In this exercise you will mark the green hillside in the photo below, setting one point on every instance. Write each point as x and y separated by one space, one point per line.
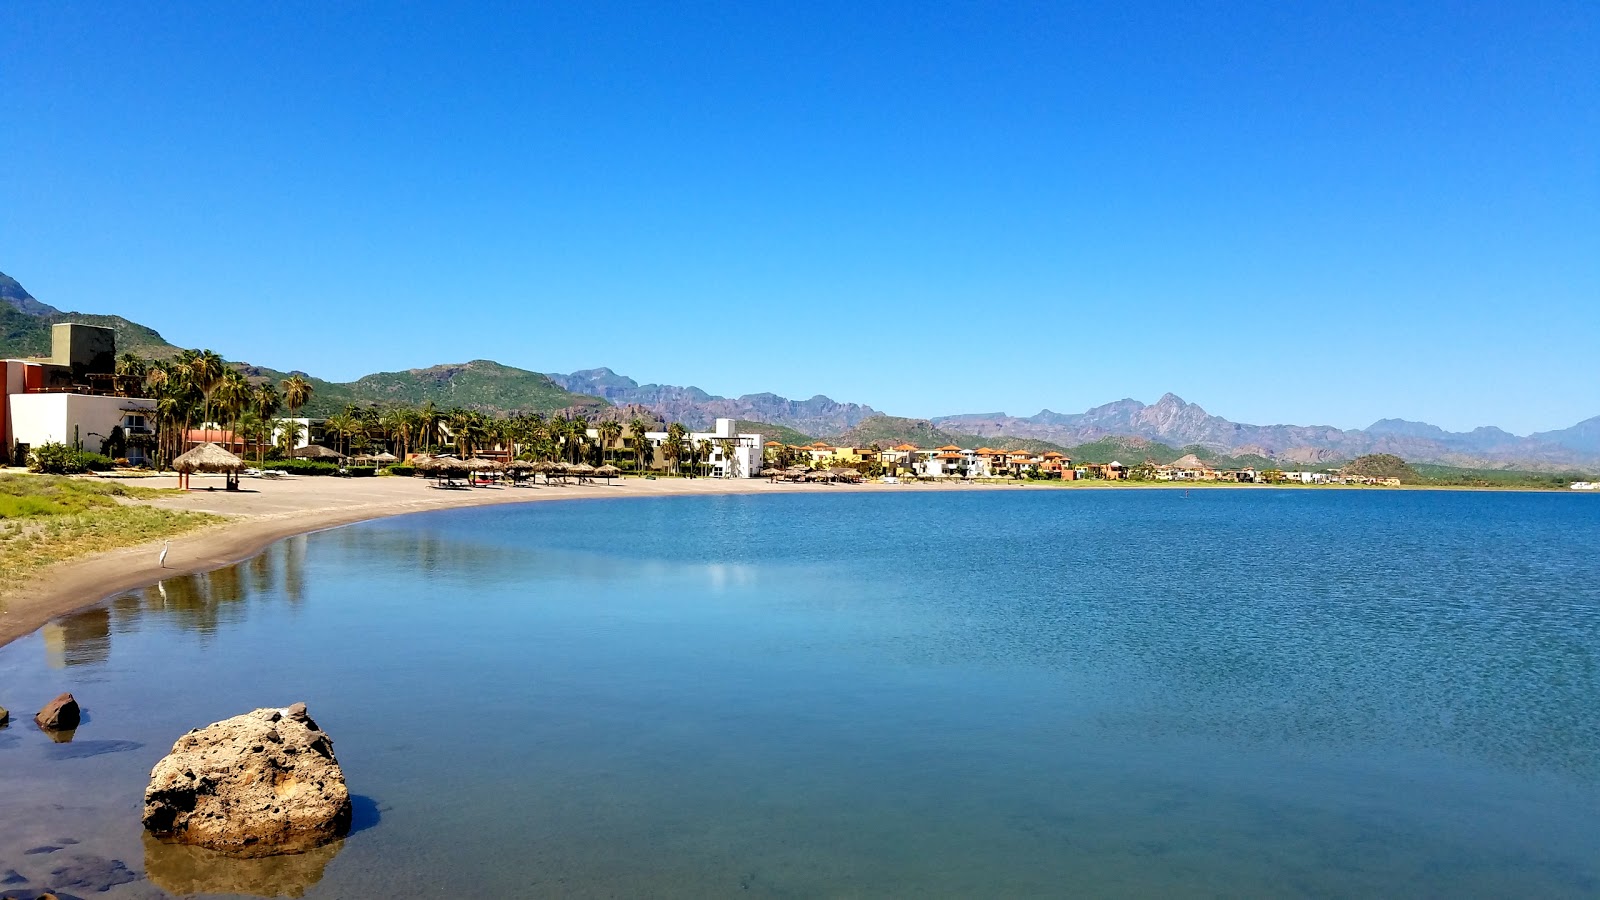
887 431
23 335
1382 465
481 384
486 386
770 432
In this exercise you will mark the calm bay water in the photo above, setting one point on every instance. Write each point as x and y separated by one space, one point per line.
1039 693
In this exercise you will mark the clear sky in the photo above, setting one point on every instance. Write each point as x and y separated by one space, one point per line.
1305 213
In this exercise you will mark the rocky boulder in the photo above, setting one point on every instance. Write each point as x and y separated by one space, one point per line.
60 714
5 715
254 785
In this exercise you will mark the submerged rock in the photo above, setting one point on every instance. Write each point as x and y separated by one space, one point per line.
5 716
60 714
254 785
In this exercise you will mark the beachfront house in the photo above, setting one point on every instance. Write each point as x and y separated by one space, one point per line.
75 397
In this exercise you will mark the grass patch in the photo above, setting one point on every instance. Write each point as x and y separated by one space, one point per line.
46 519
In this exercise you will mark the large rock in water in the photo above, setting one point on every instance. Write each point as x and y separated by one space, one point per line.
60 714
258 784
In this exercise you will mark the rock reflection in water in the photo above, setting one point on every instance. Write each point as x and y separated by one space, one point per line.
184 870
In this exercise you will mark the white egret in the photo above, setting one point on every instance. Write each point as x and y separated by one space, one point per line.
165 546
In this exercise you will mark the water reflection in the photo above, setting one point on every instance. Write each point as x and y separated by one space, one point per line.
208 602
184 870
79 639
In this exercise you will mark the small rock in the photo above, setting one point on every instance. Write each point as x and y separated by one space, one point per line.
60 714
5 716
254 785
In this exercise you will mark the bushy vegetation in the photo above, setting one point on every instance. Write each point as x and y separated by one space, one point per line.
1382 465
60 459
46 519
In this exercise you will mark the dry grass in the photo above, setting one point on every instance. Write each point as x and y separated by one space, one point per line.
48 519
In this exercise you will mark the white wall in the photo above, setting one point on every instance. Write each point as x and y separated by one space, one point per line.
62 418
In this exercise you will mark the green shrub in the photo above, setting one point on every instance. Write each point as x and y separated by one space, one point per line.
405 469
55 459
303 466
361 471
95 462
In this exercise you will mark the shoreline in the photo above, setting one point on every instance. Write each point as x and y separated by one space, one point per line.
260 517
324 503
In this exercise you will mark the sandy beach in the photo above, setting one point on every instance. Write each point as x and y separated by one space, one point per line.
270 510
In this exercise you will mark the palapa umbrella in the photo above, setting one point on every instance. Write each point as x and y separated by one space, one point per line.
608 472
478 464
385 457
315 451
209 457
582 470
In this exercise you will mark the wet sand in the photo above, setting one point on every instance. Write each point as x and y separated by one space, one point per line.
270 510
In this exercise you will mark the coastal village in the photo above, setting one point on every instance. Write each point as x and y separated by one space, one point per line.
140 416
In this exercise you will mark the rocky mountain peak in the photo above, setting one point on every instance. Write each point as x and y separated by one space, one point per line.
13 293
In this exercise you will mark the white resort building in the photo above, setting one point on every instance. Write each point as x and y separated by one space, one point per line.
74 397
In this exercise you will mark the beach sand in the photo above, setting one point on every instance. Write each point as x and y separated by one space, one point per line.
270 510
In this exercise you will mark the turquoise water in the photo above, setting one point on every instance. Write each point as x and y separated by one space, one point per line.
1039 693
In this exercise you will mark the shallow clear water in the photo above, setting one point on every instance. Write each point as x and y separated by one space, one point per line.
1107 693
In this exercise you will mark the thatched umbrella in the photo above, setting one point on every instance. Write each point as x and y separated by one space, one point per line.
385 457
478 464
842 473
316 451
608 472
520 469
582 470
209 457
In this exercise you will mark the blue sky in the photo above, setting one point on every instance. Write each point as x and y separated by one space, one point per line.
1317 216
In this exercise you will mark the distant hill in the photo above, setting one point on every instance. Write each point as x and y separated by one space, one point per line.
480 384
1583 437
697 409
1170 422
770 432
1382 465
1173 421
25 326
886 431
17 297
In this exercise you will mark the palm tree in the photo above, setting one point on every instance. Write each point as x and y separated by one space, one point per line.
342 425
206 368
428 424
639 432
289 432
610 431
397 424
673 447
233 396
131 365
727 446
296 393
578 436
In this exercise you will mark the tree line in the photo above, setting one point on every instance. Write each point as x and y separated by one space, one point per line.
197 387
